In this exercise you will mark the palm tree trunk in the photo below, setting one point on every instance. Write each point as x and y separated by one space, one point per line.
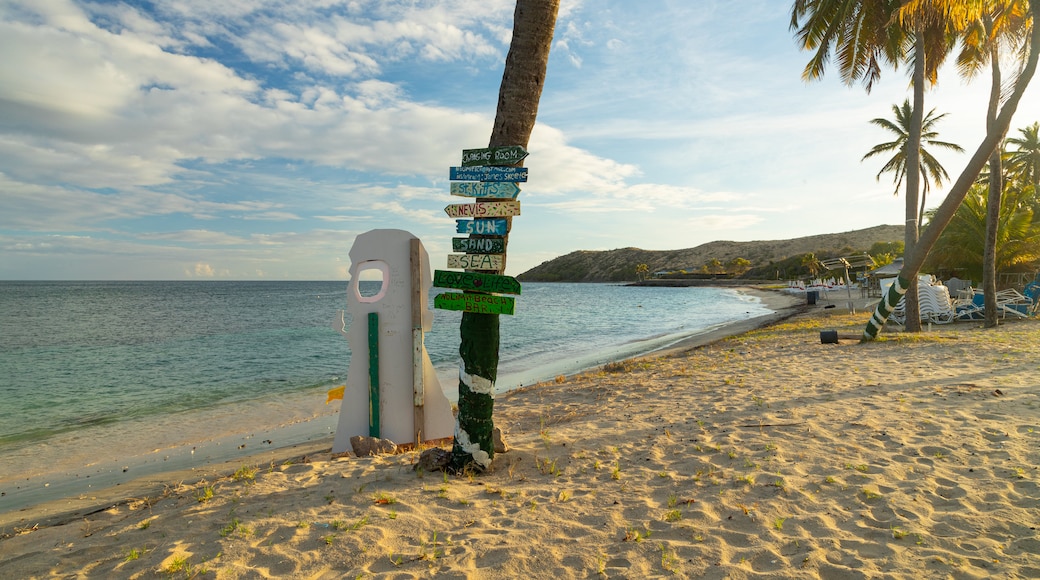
945 212
518 97
996 187
913 179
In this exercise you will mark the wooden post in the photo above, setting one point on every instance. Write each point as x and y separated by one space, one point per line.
373 374
418 388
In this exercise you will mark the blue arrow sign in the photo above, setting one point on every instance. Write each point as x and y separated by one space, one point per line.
492 189
488 174
482 227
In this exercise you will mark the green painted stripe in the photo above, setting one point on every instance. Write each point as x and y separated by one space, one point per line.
373 374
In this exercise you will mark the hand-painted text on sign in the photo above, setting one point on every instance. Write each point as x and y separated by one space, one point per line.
482 227
493 156
489 209
478 303
493 189
478 245
476 281
488 174
475 261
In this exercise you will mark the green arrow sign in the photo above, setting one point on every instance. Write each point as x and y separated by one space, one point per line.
476 281
478 303
493 156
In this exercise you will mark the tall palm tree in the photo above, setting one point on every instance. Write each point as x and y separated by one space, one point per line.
931 170
1025 160
522 80
865 33
945 212
983 41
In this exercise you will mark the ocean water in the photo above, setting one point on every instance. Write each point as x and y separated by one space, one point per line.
98 376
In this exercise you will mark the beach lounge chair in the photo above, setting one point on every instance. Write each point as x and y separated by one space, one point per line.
969 305
1010 302
1014 303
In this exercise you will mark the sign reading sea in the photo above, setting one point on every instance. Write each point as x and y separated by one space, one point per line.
475 261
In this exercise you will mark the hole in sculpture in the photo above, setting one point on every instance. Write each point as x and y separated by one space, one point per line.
373 279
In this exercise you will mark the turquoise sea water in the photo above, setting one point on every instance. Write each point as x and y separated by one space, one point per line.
95 376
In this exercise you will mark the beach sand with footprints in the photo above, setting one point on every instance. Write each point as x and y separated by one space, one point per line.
766 454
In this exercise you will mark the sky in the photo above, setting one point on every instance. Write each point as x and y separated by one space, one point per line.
254 139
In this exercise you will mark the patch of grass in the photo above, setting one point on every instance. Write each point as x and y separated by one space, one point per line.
778 523
746 479
548 467
616 472
672 516
133 554
144 525
246 473
235 527
205 494
898 533
669 561
178 564
870 494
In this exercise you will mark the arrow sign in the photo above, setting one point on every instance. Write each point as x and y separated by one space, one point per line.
491 209
482 227
475 281
475 261
499 189
478 245
493 156
479 303
487 174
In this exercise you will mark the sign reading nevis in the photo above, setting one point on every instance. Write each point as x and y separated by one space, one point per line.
489 209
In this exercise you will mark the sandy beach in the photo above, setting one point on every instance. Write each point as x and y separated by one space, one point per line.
765 454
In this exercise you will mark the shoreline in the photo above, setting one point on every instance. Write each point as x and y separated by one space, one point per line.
762 454
187 464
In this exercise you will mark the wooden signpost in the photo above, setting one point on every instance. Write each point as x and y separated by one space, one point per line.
482 227
493 189
483 253
476 281
473 302
478 245
476 261
493 156
489 209
488 174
